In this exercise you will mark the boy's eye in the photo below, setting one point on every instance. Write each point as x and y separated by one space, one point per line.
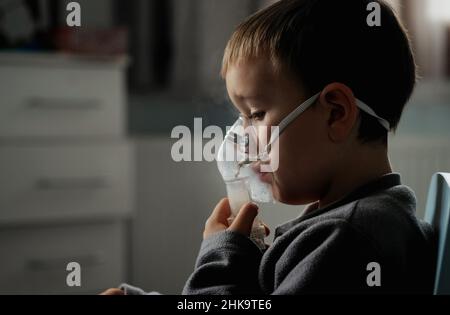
257 116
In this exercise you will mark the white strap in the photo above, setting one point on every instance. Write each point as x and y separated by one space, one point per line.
300 109
365 108
297 112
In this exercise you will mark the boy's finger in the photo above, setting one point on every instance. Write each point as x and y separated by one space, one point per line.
113 291
221 212
244 220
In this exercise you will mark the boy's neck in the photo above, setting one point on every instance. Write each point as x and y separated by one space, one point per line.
366 164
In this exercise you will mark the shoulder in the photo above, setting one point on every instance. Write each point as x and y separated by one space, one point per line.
388 220
384 219
389 214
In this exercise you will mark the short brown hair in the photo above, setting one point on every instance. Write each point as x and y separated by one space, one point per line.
326 41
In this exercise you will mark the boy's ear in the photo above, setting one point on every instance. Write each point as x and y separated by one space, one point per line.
341 109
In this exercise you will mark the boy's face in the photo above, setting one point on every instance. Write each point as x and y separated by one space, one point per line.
306 155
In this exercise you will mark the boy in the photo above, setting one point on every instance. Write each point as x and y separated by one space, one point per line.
334 155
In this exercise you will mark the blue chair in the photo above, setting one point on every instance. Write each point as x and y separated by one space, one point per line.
437 213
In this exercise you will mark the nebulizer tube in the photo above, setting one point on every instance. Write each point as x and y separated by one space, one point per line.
242 183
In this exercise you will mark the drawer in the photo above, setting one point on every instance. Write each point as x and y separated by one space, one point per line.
56 101
58 182
34 261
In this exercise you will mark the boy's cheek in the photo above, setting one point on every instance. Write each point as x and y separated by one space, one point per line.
305 161
298 176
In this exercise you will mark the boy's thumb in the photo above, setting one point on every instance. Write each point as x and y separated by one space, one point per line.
244 220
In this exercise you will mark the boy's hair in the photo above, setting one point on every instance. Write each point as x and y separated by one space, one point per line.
326 41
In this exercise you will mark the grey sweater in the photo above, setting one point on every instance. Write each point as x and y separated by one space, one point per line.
328 250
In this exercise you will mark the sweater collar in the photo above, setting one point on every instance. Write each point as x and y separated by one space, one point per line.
383 183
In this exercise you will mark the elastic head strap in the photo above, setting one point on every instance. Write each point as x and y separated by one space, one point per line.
365 108
304 106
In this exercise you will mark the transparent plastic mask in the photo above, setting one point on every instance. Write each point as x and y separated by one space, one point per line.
234 160
242 183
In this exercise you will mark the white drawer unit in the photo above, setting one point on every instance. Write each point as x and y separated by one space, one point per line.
47 96
67 172
60 182
34 260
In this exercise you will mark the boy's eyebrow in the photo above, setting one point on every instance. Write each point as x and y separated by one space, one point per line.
246 103
239 106
249 97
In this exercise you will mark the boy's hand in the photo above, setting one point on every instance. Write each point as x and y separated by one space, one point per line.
113 291
218 221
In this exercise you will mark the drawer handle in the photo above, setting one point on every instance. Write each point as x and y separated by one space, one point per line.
90 260
62 104
71 183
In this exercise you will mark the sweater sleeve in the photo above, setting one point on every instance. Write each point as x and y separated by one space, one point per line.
228 263
328 257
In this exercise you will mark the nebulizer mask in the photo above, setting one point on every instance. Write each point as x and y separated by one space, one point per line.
239 151
242 182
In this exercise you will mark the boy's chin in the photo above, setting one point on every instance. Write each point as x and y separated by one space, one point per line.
282 197
290 198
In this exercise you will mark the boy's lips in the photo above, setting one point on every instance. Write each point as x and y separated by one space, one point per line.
265 177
